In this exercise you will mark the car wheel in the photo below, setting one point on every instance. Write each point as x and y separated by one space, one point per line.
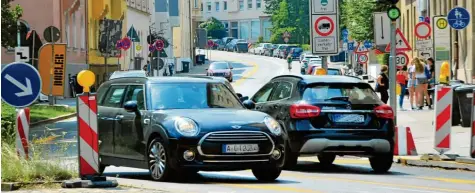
159 166
266 174
326 159
290 158
381 163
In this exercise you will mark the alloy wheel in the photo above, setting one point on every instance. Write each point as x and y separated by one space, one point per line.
157 160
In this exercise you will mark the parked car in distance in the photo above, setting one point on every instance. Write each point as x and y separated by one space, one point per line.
295 52
262 48
237 45
252 49
305 53
285 52
280 49
218 44
329 116
177 126
226 40
270 52
128 73
220 69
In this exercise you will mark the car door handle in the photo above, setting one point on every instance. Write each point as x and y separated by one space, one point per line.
119 118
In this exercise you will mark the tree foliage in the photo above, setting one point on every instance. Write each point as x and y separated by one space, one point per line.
9 23
214 27
291 16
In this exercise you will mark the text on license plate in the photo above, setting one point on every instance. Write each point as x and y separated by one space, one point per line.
348 118
240 148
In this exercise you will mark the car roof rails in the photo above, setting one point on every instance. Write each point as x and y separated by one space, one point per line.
288 75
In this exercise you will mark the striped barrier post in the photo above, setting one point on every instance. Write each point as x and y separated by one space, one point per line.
472 138
22 130
404 142
88 137
443 118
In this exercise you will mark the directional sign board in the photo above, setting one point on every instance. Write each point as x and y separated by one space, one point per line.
422 30
401 59
325 27
382 24
22 54
458 18
401 43
424 44
360 49
21 84
351 46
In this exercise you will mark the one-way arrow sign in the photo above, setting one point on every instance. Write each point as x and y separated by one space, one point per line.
21 84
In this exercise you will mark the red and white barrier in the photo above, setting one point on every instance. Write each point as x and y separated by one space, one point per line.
404 142
472 138
88 137
22 130
443 118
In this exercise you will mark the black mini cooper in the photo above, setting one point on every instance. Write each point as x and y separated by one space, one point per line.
180 125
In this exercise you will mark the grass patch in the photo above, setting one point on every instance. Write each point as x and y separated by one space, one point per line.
37 112
16 169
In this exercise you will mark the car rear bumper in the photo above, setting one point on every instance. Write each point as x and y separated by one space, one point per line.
346 146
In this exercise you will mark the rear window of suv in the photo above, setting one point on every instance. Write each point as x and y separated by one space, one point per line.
357 93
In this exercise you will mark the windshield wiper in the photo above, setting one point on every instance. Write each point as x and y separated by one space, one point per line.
339 98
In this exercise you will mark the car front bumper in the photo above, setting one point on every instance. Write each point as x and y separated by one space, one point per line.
209 157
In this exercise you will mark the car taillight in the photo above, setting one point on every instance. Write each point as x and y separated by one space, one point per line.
384 111
301 111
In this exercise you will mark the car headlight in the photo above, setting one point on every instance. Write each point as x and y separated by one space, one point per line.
186 127
273 125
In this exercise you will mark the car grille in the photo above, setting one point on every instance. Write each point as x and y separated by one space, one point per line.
211 144
218 74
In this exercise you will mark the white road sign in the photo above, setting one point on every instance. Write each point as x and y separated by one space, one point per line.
425 53
424 44
22 54
442 42
325 34
324 6
382 24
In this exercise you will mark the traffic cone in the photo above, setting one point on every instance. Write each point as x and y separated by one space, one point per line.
404 142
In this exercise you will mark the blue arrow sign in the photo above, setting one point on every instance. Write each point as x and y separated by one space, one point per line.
459 18
351 46
368 44
21 84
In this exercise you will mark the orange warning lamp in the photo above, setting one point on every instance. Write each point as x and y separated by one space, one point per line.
320 71
86 79
444 72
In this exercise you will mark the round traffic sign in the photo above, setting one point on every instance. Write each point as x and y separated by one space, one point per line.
442 23
401 59
362 58
324 23
151 48
422 30
458 18
52 34
286 39
394 13
21 84
138 47
118 45
159 45
126 42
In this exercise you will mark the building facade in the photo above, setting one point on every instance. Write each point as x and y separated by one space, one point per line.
412 10
244 19
138 24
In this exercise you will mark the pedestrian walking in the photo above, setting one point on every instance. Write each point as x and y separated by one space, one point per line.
401 79
411 84
422 81
289 62
382 84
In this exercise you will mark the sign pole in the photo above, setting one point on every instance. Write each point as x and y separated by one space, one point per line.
106 56
51 97
392 71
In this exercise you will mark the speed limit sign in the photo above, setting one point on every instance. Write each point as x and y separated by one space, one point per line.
401 59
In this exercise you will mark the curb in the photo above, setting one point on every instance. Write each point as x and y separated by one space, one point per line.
52 120
89 184
12 186
414 161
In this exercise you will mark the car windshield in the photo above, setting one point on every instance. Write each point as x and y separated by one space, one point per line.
333 72
192 96
315 62
298 49
219 66
127 74
267 45
358 93
241 40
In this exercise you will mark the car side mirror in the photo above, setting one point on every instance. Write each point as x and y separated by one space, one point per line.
131 106
232 68
249 104
206 69
244 98
239 95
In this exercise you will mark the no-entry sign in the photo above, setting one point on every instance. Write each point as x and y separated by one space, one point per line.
422 30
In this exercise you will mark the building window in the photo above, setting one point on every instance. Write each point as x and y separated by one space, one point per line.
267 25
249 4
73 23
201 6
258 4
195 4
83 33
217 6
226 26
255 29
209 6
225 5
241 5
244 30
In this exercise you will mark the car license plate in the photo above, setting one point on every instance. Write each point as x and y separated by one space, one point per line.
240 148
348 118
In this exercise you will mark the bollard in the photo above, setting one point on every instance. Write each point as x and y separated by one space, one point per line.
22 130
443 118
88 143
472 138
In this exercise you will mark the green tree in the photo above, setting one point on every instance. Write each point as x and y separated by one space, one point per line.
281 23
291 16
10 17
214 27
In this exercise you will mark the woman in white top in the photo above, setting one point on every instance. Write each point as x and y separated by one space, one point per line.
422 81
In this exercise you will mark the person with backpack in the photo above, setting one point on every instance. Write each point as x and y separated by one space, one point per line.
382 84
422 74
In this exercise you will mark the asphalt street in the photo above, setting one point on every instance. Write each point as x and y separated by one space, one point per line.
349 174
